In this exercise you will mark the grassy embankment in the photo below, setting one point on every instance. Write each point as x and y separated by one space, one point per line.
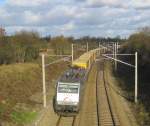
21 90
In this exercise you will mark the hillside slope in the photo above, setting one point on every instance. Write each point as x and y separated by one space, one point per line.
20 85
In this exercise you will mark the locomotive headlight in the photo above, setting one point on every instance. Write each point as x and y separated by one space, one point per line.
75 103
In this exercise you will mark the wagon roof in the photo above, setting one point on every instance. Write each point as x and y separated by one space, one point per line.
73 75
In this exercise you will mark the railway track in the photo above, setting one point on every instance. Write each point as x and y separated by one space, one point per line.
105 109
66 121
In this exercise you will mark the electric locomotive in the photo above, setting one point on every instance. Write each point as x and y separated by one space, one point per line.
69 93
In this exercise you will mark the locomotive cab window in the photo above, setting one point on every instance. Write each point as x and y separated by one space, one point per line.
67 88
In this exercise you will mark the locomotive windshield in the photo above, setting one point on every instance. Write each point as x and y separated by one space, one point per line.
68 88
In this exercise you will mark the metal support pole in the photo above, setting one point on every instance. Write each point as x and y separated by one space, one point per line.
44 86
117 47
107 46
113 50
115 56
89 64
72 52
136 77
99 48
87 47
104 48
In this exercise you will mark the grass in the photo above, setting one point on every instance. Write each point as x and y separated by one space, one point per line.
2 110
23 117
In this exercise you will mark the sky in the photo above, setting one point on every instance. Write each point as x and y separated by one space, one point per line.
105 18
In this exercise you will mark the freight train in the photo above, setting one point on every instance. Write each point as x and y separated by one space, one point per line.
70 86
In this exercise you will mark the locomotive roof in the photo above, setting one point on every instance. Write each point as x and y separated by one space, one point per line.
73 75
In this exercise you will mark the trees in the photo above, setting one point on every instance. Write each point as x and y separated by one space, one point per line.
140 42
22 47
61 45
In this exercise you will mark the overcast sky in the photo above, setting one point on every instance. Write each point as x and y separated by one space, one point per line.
75 17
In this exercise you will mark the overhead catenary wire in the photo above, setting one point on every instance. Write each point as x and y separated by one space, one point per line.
56 61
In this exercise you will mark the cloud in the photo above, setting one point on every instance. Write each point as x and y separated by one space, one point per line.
75 17
3 13
67 27
23 3
102 3
31 18
140 4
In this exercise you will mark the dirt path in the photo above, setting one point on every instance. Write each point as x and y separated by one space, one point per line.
48 117
88 113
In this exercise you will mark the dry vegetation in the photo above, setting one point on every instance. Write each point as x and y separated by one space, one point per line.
19 82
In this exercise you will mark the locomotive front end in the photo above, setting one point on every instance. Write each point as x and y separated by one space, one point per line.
67 97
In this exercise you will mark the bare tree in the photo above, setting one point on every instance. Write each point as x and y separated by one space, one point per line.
145 30
2 31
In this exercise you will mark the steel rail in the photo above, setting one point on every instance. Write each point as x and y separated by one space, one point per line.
108 98
97 101
58 123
